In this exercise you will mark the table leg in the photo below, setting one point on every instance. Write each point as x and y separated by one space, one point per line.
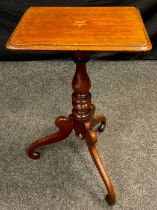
100 119
65 125
91 140
84 119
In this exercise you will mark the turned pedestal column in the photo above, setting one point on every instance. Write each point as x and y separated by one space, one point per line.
82 120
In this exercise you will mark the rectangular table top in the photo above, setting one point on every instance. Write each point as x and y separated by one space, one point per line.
81 28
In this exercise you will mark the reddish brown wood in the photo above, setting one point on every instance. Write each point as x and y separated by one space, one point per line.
81 97
65 126
81 28
82 120
76 29
91 140
99 119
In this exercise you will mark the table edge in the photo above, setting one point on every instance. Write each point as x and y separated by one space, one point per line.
82 47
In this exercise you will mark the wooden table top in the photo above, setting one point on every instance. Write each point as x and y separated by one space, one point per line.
81 28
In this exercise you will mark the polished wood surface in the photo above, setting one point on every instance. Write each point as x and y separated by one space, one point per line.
91 139
81 97
81 28
65 125
82 120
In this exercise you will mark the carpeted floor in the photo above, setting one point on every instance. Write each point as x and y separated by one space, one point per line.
32 94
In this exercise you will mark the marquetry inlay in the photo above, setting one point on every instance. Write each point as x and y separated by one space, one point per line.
80 23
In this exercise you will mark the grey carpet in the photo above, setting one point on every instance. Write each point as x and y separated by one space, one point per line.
32 94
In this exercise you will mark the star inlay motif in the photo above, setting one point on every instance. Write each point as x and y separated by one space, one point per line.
80 23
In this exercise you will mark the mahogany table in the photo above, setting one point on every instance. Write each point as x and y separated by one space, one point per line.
80 30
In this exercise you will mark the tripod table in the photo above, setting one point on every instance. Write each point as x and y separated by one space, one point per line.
80 30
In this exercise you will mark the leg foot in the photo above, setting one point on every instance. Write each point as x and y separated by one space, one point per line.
91 140
110 200
33 154
102 120
65 126
101 127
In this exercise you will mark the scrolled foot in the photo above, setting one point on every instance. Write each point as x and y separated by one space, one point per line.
101 127
34 155
99 119
65 126
110 200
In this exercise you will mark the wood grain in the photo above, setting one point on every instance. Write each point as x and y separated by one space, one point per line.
82 120
65 125
91 140
81 28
